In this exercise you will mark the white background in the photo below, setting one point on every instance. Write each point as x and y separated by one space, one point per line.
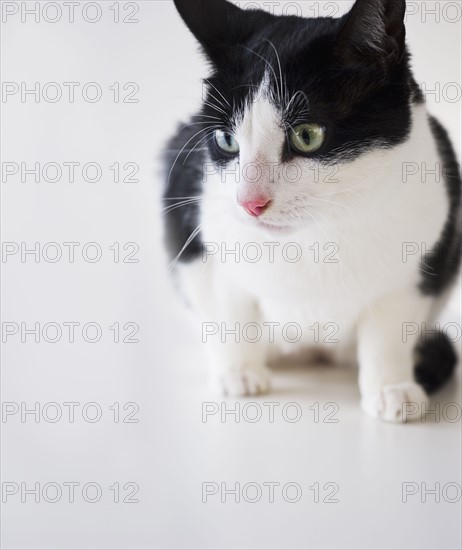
171 452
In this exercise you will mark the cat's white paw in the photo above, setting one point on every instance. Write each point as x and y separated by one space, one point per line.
392 403
239 383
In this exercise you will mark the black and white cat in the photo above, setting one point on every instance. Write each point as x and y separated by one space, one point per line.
306 160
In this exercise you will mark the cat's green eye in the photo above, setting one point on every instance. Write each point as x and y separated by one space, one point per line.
307 138
227 142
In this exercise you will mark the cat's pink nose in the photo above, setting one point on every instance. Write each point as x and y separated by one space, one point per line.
255 207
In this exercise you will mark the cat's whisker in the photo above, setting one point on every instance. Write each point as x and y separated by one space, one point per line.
207 136
280 69
316 221
170 208
212 106
219 213
244 86
300 113
218 91
201 197
353 187
269 65
181 198
426 265
191 237
336 230
316 199
290 126
181 203
427 272
207 116
194 124
220 103
182 149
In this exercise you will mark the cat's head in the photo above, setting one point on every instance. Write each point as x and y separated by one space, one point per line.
289 98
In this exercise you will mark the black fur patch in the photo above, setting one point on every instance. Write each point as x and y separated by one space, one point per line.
441 264
184 180
435 364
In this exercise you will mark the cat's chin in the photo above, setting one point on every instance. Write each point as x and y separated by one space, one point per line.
273 229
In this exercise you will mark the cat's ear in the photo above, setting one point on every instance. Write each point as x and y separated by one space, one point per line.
374 33
218 24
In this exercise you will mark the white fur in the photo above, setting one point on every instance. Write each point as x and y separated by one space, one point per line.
368 294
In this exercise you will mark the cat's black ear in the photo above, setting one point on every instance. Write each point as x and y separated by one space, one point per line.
218 24
373 32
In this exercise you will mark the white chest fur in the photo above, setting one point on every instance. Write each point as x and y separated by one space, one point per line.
363 241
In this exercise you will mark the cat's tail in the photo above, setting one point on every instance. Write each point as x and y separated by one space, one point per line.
435 362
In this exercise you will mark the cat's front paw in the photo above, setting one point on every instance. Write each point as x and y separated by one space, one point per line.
243 382
393 402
